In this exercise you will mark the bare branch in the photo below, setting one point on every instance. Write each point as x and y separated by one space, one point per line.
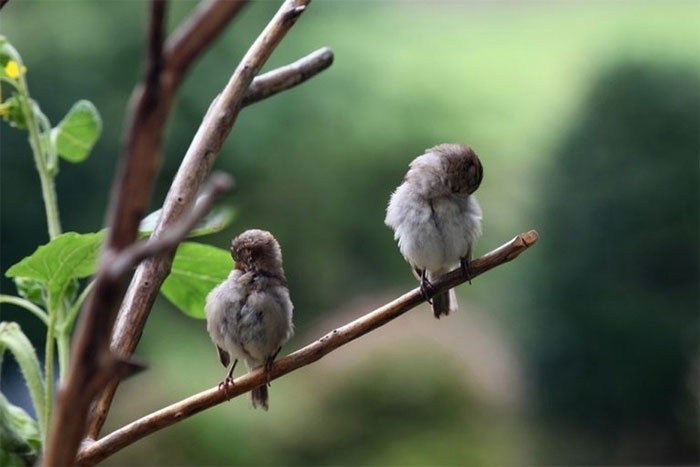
117 440
141 143
188 41
2 3
131 193
195 166
288 76
154 63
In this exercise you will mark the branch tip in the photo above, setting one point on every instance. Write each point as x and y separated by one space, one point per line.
530 237
294 12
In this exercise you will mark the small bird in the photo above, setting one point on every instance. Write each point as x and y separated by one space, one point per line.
435 217
249 315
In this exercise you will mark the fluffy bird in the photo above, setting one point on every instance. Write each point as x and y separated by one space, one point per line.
435 217
249 315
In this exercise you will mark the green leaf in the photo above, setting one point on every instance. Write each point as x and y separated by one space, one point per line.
77 133
217 220
20 441
66 257
13 339
31 289
196 270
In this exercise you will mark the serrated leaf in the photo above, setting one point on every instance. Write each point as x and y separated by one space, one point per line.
217 220
13 339
78 132
66 257
196 270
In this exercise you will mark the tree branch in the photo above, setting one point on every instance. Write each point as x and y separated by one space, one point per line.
195 166
131 193
117 440
140 153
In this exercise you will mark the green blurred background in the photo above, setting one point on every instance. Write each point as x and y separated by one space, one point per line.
585 116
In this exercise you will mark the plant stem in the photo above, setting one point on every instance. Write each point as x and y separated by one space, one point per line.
48 188
63 341
27 305
66 326
48 368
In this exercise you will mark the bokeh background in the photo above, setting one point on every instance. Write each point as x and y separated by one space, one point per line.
585 115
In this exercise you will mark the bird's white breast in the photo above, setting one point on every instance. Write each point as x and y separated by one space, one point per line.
435 233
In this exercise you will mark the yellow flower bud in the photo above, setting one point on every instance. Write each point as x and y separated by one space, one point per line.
14 70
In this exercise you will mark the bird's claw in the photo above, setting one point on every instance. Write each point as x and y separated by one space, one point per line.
268 368
466 269
224 385
426 288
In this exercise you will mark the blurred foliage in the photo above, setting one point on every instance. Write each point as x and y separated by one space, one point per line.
316 165
618 325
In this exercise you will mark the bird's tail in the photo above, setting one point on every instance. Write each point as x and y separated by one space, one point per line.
259 397
444 303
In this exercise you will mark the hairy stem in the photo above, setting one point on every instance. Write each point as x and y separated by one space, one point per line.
27 305
66 326
48 368
63 342
41 154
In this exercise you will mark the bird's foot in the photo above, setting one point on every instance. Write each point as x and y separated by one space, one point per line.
225 385
269 363
466 268
427 289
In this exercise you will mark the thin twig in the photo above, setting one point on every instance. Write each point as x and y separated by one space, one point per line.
119 439
288 76
195 166
219 184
